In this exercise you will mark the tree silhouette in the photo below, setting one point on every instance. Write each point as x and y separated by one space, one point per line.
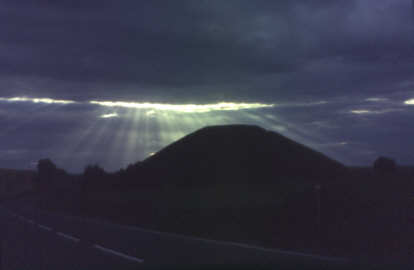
47 174
94 172
385 165
94 178
46 169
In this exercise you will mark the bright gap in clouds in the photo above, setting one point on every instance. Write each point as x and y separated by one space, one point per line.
152 107
409 102
375 99
37 100
109 115
186 108
361 112
374 112
144 128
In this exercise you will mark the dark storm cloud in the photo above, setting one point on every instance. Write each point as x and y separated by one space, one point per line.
155 43
189 44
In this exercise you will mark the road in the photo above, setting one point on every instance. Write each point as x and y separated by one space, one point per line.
41 240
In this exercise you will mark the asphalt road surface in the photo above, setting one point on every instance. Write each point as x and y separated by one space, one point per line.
32 239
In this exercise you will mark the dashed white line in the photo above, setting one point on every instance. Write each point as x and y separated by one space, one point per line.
119 254
236 244
228 243
77 240
45 227
69 237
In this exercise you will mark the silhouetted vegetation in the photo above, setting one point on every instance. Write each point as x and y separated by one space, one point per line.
385 165
15 182
55 188
95 178
48 176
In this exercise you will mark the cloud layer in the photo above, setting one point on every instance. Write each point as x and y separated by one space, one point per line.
204 50
323 72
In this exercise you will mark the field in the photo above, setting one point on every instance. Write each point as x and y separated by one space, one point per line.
14 182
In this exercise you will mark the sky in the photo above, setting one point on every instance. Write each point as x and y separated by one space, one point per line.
112 82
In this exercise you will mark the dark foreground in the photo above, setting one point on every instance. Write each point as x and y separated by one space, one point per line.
34 239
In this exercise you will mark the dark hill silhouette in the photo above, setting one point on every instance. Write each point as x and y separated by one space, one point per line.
245 184
238 154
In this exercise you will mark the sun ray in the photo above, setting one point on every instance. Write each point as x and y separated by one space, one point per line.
131 152
83 146
129 131
119 143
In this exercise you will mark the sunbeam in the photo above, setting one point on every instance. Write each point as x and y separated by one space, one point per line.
119 143
129 131
81 147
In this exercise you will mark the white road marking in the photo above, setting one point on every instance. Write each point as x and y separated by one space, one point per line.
179 236
77 240
119 254
228 243
235 244
45 227
69 237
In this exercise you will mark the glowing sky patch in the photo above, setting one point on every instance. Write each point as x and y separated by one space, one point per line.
152 108
37 100
409 102
186 108
376 99
109 115
376 111
361 112
150 113
304 104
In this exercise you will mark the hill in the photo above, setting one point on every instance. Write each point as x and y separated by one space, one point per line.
237 154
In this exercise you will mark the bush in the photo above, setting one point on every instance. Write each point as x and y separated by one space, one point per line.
385 165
